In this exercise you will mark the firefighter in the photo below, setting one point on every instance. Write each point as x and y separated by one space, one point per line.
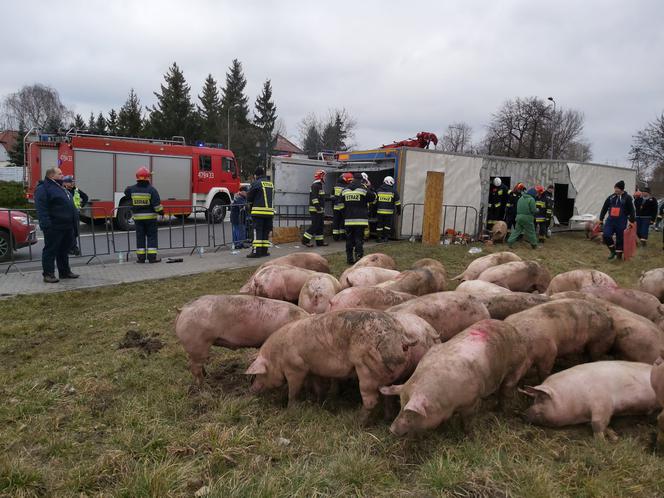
388 202
620 208
549 196
513 197
316 211
496 210
145 207
372 205
259 198
338 231
540 217
357 198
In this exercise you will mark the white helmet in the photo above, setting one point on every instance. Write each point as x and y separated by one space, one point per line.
497 182
365 177
389 181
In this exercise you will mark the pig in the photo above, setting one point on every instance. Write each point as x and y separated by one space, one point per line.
593 232
563 327
480 288
282 282
378 260
371 345
657 383
231 322
420 336
366 276
592 392
317 292
639 302
578 279
652 282
454 376
500 306
637 338
448 312
368 297
519 276
427 276
307 260
476 267
499 231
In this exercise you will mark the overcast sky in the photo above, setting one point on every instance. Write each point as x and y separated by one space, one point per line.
397 67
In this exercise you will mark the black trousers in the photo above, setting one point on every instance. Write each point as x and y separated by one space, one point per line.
57 243
355 241
77 223
542 229
338 230
147 239
315 231
262 229
384 225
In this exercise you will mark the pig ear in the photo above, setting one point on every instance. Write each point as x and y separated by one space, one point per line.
259 366
535 391
391 390
417 404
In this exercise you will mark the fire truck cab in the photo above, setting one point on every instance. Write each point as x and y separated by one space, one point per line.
188 178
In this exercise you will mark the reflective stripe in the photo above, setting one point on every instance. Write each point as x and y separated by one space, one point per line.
385 197
140 251
152 251
356 222
315 210
261 243
385 211
336 231
497 205
320 237
77 199
145 216
138 199
307 236
262 210
159 208
398 203
339 207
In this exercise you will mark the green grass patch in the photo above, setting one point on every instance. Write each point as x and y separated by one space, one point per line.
79 416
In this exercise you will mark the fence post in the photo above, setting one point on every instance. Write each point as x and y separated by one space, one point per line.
433 204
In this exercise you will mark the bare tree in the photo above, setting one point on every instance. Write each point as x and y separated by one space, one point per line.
457 138
35 106
647 150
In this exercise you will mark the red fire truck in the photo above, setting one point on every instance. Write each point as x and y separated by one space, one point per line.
187 177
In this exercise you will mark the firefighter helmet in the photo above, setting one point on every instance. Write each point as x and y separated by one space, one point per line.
347 177
389 181
497 182
143 173
319 175
637 193
539 189
519 187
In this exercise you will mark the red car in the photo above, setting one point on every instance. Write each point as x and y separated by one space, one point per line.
20 232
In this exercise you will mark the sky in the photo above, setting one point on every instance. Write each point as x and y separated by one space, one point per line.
397 67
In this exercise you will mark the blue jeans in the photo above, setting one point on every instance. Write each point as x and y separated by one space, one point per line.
239 235
642 227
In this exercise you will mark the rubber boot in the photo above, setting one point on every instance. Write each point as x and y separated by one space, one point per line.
255 253
140 258
153 258
612 255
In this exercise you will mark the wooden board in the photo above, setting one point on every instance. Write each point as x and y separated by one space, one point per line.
433 207
282 235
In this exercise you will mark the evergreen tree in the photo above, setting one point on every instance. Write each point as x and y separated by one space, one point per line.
335 132
130 122
174 114
112 122
312 143
265 118
210 111
79 122
100 124
92 125
16 155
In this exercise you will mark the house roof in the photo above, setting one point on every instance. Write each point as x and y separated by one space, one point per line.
8 139
285 145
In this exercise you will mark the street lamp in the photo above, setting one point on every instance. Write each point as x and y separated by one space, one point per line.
553 124
228 123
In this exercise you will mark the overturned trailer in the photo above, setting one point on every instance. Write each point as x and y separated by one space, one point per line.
580 188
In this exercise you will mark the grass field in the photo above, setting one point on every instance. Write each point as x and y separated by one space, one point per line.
82 417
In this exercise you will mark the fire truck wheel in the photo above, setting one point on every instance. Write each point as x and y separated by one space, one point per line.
124 220
217 211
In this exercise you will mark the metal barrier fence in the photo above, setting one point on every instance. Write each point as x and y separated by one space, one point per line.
456 218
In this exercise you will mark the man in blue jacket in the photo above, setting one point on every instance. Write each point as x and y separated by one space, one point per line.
620 208
57 215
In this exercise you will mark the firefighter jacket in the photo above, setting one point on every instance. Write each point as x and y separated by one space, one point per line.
497 197
512 200
646 208
260 197
540 204
618 206
548 200
80 198
388 200
145 202
356 204
338 198
317 197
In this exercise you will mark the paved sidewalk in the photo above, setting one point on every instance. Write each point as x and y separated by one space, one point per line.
97 275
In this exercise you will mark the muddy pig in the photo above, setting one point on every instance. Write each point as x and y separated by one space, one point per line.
652 282
637 338
657 383
371 345
500 306
427 276
592 392
420 336
448 312
306 260
454 376
231 322
317 292
480 288
578 279
282 282
476 267
368 297
518 276
378 260
639 302
563 327
366 276
499 231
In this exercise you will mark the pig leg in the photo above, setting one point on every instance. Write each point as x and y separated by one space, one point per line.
659 444
467 415
369 392
295 380
196 362
601 416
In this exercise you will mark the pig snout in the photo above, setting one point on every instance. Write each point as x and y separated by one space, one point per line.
400 427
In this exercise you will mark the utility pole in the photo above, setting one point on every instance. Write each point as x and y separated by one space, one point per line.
553 124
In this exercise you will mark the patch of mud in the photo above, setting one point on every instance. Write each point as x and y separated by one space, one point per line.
145 343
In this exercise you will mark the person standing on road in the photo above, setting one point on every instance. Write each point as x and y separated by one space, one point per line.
338 231
357 198
316 211
57 214
145 207
620 208
388 202
239 217
645 208
260 197
80 200
525 219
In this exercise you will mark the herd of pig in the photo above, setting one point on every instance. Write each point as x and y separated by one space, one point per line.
404 334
